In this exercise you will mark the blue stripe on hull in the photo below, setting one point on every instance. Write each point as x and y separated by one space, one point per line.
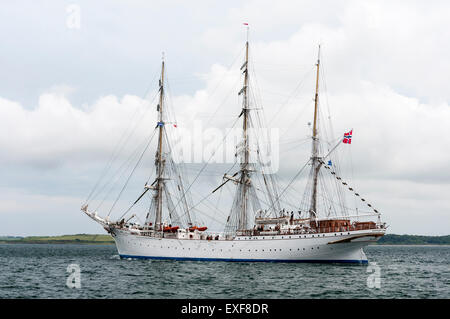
351 261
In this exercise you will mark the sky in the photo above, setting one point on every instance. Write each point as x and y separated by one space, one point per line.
78 75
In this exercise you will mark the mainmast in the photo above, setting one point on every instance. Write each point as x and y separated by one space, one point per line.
245 169
159 154
315 150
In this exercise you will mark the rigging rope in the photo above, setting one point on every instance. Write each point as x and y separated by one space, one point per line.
120 145
204 166
296 175
129 177
345 184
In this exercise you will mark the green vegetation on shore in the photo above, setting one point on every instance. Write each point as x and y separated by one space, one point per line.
392 239
389 239
64 239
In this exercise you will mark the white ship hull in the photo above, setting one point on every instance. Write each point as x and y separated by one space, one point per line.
343 247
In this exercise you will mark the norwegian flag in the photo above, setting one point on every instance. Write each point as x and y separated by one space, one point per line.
347 138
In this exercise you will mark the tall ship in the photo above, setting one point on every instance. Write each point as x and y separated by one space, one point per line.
257 228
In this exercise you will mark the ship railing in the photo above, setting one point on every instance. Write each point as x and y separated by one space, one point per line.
203 235
347 216
314 230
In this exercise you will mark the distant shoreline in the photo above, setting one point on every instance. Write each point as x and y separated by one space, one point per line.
51 242
430 245
102 239
87 239
393 239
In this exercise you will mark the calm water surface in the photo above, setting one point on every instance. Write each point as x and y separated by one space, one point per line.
40 271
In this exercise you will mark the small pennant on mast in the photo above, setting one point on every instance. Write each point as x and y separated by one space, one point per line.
246 24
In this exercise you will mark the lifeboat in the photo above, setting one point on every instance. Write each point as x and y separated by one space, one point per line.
198 228
170 229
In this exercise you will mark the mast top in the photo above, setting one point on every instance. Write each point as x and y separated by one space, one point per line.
318 55
246 24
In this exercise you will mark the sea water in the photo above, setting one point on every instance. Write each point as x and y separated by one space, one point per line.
96 271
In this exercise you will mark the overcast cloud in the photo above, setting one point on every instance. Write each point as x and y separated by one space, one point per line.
67 95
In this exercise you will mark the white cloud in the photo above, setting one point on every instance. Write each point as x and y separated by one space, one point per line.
397 140
385 66
56 132
400 43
